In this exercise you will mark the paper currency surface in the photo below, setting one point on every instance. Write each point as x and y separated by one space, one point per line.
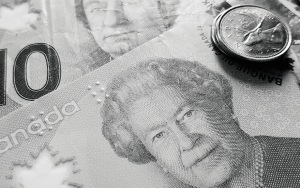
59 140
81 36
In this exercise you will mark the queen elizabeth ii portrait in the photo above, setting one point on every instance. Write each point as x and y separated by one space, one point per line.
179 114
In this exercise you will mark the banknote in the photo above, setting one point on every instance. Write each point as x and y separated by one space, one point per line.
46 44
174 112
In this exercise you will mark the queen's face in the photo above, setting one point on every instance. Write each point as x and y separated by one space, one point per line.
118 26
200 149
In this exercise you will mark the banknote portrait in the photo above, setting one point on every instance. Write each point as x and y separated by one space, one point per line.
180 115
119 26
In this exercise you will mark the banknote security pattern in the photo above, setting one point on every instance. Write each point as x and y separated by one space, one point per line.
39 126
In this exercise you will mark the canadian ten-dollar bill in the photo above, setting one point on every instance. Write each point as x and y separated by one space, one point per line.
174 112
47 44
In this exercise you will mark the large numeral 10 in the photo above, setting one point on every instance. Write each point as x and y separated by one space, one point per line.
2 77
20 72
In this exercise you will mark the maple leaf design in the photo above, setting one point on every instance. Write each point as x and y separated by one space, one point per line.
43 174
47 171
19 18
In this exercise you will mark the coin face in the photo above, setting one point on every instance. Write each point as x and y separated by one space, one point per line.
251 33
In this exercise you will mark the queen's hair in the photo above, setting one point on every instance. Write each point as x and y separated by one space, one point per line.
161 5
191 79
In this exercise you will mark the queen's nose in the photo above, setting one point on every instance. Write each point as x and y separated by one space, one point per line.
185 139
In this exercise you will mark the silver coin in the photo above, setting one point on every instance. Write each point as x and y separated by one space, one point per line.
252 33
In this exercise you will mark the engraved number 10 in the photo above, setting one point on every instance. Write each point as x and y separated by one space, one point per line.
20 72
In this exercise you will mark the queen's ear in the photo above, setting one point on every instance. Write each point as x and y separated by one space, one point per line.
124 136
118 138
129 146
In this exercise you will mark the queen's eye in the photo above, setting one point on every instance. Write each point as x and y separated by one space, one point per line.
188 114
185 114
158 136
96 9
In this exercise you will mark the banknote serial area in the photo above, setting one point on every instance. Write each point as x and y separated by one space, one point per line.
150 93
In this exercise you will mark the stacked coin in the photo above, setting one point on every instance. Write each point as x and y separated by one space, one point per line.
251 33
